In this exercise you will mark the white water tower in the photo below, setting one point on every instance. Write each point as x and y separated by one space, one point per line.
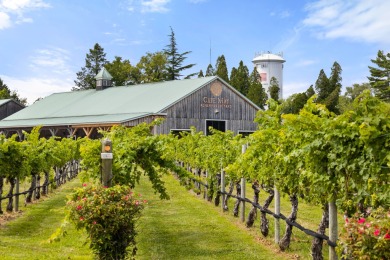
270 65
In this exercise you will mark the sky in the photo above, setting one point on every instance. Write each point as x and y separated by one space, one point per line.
43 43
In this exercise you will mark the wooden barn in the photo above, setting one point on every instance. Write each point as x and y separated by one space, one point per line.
201 102
9 107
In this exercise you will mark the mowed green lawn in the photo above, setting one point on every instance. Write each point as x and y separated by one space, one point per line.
184 227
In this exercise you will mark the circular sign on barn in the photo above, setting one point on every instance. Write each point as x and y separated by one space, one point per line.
216 88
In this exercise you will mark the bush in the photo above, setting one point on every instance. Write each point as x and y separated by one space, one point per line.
108 215
366 238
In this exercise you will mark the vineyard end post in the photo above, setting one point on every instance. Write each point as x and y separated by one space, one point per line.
17 195
277 212
223 188
106 157
242 195
332 229
242 204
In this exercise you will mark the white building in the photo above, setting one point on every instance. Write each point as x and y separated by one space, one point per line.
270 65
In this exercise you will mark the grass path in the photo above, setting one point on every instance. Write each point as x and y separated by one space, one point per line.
27 237
186 227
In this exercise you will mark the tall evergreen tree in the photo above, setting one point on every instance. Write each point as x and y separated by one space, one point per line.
210 71
240 78
94 62
274 89
175 59
256 92
328 89
200 74
380 76
221 68
310 92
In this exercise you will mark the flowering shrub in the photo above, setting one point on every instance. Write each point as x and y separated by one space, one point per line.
366 238
108 215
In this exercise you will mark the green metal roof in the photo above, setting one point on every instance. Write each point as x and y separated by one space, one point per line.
111 105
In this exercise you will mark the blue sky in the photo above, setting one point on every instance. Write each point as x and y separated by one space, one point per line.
43 43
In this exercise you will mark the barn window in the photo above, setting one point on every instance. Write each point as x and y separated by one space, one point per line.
216 124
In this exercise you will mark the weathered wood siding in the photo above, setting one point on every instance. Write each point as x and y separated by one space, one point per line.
9 108
214 101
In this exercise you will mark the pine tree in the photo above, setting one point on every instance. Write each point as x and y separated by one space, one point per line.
328 90
200 74
380 76
274 89
310 92
210 71
239 78
94 62
221 68
256 92
175 59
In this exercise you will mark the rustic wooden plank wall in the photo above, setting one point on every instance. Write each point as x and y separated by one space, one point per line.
214 101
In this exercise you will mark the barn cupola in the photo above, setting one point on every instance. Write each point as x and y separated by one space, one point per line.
103 79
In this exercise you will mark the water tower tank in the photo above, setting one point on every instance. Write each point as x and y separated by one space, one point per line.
270 65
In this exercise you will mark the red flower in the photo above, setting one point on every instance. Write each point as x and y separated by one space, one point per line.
368 225
145 201
387 236
79 207
81 218
94 222
377 232
84 184
136 202
346 220
361 220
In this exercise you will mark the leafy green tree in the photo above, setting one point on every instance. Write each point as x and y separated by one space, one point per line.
274 89
256 92
351 93
221 68
94 62
200 74
239 78
120 71
6 93
152 68
175 59
380 76
294 103
210 71
328 89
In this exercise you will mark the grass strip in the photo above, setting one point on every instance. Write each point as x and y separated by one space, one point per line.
186 227
27 236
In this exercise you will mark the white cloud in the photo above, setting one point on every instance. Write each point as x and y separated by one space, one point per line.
154 6
16 10
360 20
49 61
5 20
37 87
305 63
294 87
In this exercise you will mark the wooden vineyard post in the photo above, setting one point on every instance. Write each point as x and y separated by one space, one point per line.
243 186
332 229
106 156
17 195
277 212
223 188
205 188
